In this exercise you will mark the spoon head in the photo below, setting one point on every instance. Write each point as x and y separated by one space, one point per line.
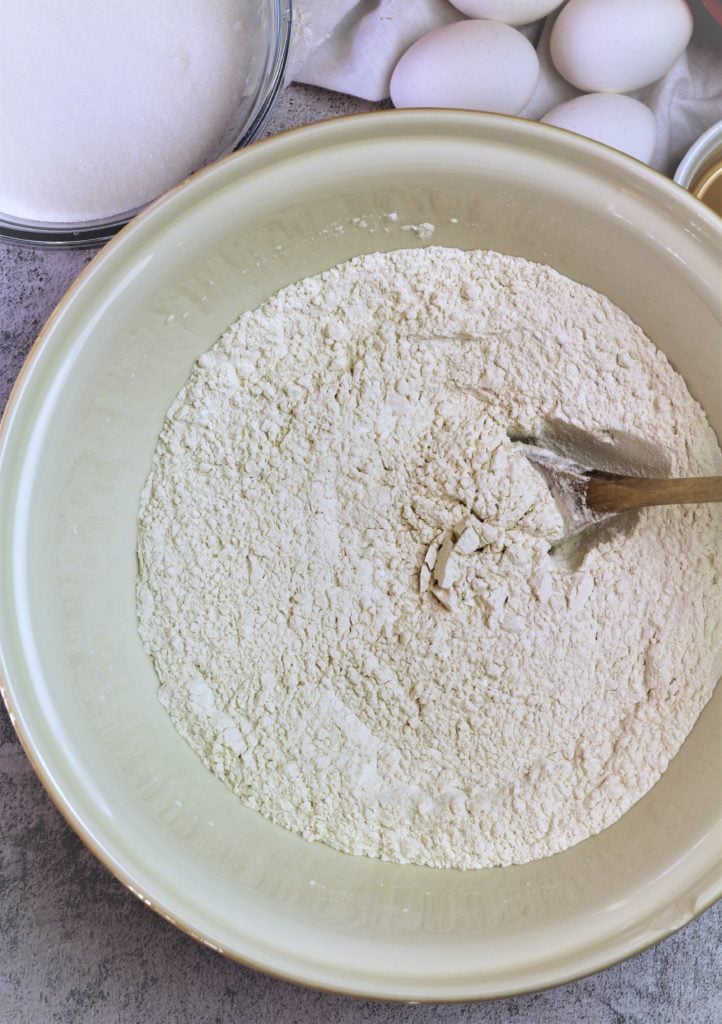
567 482
566 455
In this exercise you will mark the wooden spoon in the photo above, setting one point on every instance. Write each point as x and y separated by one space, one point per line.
585 496
609 493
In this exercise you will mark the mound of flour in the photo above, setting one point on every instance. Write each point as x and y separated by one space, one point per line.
345 581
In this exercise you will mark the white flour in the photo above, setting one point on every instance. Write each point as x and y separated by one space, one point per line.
317 453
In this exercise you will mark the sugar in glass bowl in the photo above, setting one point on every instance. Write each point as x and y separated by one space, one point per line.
105 112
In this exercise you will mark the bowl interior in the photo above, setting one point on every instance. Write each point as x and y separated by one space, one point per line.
75 453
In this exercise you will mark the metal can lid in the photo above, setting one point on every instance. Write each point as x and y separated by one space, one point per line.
701 169
708 186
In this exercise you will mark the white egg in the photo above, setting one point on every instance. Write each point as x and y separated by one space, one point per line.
512 12
619 45
473 65
617 121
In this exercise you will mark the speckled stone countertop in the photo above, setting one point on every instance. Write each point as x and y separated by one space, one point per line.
78 948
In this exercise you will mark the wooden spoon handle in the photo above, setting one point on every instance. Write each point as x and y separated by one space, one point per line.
619 493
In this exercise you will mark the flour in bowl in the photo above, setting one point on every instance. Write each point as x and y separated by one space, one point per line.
345 579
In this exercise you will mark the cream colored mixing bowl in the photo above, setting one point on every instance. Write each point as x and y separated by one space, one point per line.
75 449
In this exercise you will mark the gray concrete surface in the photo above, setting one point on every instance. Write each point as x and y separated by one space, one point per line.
77 948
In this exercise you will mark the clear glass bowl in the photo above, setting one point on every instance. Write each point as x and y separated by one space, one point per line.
272 32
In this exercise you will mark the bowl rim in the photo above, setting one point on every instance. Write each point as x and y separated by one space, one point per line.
91 233
153 219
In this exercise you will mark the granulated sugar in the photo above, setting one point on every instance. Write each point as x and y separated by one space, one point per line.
345 581
106 105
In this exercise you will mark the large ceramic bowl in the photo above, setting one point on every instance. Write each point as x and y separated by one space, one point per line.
75 450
